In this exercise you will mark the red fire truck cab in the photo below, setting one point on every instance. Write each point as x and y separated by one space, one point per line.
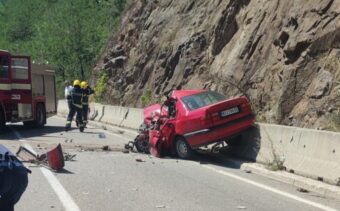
27 91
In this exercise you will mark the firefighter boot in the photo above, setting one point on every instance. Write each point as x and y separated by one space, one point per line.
81 127
67 126
84 123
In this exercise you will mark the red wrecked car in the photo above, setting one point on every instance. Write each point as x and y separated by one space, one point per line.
189 119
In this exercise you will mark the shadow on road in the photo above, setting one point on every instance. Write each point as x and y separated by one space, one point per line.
65 171
29 132
245 150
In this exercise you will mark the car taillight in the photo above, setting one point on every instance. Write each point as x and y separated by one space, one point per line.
245 107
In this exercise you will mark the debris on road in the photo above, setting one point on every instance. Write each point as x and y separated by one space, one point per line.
241 207
139 160
102 135
302 190
129 146
68 140
69 157
106 148
248 171
53 159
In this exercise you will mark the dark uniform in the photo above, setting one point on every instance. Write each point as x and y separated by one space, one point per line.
13 179
86 92
76 107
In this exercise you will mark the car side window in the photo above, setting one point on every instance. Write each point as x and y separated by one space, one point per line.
172 109
3 67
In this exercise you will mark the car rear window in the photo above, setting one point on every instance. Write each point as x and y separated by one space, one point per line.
202 99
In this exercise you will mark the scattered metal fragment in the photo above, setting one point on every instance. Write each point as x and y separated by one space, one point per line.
69 157
53 159
106 148
302 190
139 160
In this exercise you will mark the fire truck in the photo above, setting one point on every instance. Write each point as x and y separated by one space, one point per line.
27 91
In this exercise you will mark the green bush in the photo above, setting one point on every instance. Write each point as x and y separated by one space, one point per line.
146 97
100 87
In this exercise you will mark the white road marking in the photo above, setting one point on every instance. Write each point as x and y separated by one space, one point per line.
262 186
64 197
62 194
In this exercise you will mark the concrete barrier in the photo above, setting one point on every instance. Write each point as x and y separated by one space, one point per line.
114 115
62 108
133 119
96 111
306 152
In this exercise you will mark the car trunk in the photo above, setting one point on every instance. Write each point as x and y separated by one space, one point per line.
226 111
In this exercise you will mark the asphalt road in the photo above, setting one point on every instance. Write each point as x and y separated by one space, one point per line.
112 180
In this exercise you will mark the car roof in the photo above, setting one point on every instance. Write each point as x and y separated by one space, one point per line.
184 93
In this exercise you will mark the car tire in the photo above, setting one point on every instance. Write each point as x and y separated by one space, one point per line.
182 148
142 144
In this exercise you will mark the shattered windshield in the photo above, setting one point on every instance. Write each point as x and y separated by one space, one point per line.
202 99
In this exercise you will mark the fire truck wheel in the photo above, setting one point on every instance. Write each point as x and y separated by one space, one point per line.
2 120
40 116
183 149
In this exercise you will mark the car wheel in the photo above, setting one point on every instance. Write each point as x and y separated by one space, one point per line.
40 116
142 143
183 149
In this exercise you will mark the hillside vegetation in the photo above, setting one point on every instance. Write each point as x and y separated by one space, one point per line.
66 34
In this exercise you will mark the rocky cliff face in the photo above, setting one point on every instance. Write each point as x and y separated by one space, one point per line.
284 55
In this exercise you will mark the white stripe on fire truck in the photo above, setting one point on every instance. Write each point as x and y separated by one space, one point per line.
15 86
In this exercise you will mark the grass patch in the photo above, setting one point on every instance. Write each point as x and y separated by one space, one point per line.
146 98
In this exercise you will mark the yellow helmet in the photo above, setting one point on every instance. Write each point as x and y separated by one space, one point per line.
76 83
83 84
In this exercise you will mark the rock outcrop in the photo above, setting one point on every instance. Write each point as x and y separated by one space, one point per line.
283 55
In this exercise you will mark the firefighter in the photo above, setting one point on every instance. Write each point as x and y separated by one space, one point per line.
86 92
13 179
76 96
